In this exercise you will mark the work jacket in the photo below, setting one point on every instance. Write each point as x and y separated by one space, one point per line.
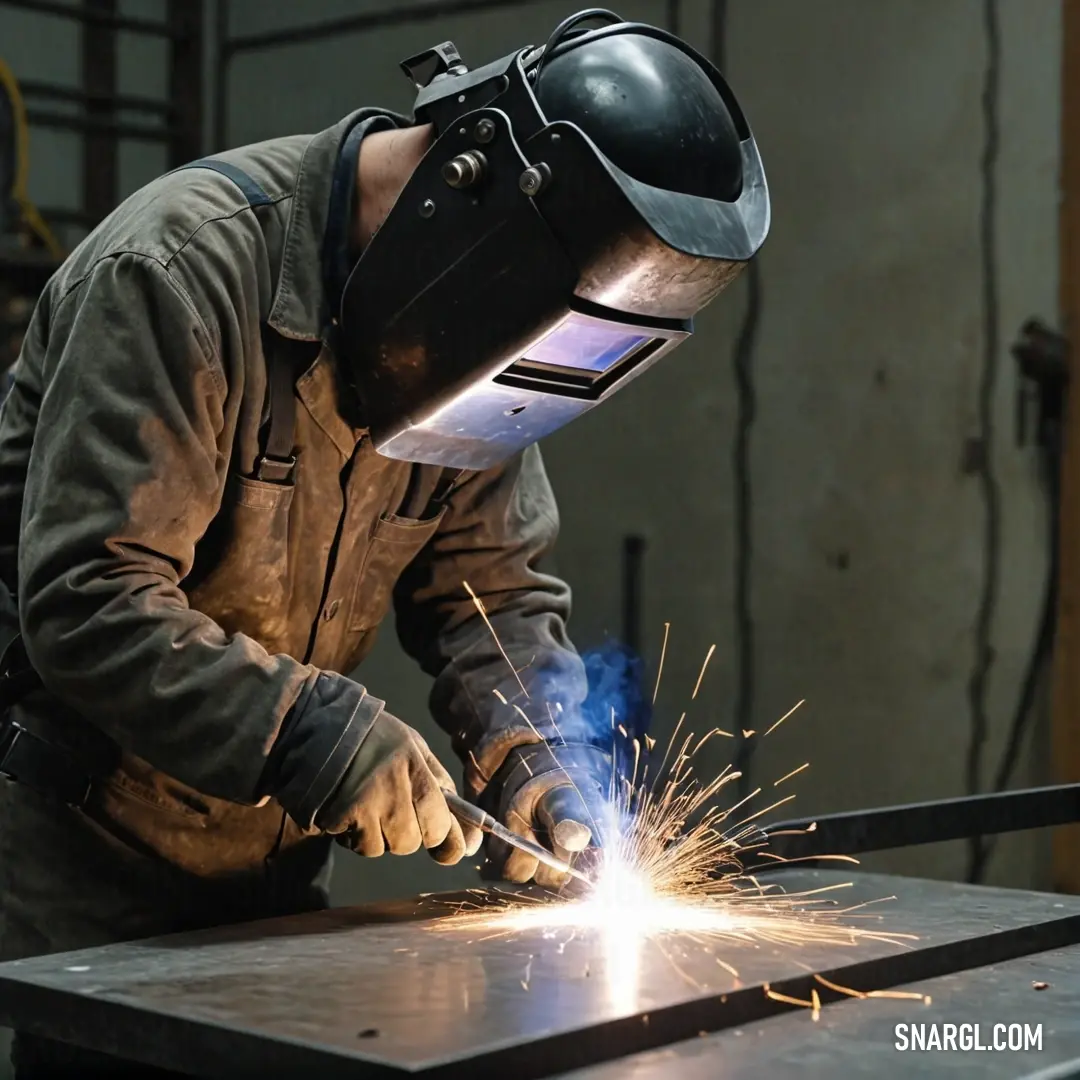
192 612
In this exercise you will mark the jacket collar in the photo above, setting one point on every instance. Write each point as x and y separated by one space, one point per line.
301 309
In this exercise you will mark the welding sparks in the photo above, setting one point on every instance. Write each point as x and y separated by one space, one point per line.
671 876
672 867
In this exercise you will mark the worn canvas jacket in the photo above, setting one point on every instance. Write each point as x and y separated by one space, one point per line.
192 612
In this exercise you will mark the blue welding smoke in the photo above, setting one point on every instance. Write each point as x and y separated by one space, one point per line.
615 674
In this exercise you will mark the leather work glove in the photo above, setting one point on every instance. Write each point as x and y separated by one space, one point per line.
553 795
391 798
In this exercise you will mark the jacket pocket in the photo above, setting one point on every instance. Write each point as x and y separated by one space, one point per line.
241 577
263 495
138 781
395 542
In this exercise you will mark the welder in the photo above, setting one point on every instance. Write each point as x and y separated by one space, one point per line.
278 391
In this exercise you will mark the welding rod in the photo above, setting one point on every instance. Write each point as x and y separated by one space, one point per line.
465 811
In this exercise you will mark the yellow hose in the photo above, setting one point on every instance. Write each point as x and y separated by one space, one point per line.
30 216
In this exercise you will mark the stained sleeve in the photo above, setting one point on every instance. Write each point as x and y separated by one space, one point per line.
125 474
509 675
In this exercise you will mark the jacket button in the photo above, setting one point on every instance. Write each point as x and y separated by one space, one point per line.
331 610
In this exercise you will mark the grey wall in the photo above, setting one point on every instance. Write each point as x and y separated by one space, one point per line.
867 530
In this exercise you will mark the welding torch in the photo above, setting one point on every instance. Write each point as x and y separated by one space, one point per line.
467 812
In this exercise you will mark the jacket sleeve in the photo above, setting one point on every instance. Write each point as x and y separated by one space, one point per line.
513 678
128 464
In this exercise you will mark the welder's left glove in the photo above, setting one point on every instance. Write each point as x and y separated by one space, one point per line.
557 796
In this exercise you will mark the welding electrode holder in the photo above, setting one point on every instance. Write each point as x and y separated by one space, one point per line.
467 812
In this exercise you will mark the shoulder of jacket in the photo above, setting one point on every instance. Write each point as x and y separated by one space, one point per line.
161 220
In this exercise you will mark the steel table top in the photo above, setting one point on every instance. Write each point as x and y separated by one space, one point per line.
392 990
895 1039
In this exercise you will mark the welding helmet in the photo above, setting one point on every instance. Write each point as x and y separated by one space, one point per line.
579 204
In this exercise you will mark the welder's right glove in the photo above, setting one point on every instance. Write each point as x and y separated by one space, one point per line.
391 798
552 794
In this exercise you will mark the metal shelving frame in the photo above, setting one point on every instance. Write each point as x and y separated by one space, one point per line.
176 121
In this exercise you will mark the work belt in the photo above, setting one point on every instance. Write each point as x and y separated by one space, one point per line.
27 757
29 760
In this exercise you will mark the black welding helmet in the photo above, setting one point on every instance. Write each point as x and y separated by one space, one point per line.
580 203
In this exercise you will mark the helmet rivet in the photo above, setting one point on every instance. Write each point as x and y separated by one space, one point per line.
534 179
464 170
427 208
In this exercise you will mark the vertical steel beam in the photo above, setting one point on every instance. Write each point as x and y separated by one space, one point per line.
223 55
100 166
185 18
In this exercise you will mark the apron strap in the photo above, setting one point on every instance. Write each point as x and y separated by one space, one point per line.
277 461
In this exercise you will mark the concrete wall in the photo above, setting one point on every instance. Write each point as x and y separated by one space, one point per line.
868 380
868 553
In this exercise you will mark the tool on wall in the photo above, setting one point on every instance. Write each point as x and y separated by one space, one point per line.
1042 357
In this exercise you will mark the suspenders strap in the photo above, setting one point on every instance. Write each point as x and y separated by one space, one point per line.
448 482
251 189
277 461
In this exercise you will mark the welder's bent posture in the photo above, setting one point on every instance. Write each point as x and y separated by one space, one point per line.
284 388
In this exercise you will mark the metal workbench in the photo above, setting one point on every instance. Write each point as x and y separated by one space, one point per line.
860 1039
392 990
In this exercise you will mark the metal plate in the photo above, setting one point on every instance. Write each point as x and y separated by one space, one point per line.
858 1039
390 990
